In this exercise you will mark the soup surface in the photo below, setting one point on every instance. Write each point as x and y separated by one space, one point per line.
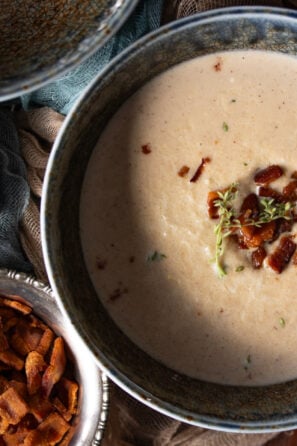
147 238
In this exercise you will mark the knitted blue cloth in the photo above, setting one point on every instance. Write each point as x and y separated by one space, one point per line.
14 195
61 94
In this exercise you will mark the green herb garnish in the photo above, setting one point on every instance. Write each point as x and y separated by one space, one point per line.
247 362
270 210
239 268
155 257
225 126
282 322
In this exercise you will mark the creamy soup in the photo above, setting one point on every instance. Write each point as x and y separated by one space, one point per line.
147 238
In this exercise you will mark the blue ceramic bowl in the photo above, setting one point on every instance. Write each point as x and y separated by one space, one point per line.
228 408
43 39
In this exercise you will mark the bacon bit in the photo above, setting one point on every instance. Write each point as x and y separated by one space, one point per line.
211 198
101 264
67 438
9 358
250 206
212 209
268 175
12 407
26 337
218 65
55 370
66 399
294 175
45 342
268 192
282 254
294 258
282 225
183 171
49 432
118 292
146 149
253 237
290 191
199 170
3 339
14 304
258 257
40 407
34 367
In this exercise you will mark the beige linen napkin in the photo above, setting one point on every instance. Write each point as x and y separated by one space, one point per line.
129 423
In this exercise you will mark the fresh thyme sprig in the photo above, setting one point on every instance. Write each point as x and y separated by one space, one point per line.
270 210
222 230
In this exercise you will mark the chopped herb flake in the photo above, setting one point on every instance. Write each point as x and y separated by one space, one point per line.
245 164
225 126
233 100
155 257
247 362
239 268
282 322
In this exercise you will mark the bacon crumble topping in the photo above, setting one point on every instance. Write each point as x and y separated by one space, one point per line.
255 235
38 397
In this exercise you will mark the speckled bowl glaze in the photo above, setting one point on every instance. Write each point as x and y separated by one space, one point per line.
43 39
93 400
227 408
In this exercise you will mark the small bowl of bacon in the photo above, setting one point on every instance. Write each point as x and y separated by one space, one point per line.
51 391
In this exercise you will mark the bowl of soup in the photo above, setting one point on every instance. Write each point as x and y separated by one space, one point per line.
43 40
50 385
168 219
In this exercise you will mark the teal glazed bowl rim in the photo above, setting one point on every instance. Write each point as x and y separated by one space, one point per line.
110 22
226 408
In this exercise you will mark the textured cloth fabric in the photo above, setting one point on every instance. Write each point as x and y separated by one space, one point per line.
14 195
62 94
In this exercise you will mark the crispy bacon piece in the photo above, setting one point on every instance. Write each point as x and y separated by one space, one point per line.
56 368
67 397
12 407
212 209
250 206
3 339
9 358
26 337
199 170
268 192
15 304
45 341
17 435
39 407
146 149
258 257
183 171
268 175
282 254
253 237
34 367
290 191
282 225
49 432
